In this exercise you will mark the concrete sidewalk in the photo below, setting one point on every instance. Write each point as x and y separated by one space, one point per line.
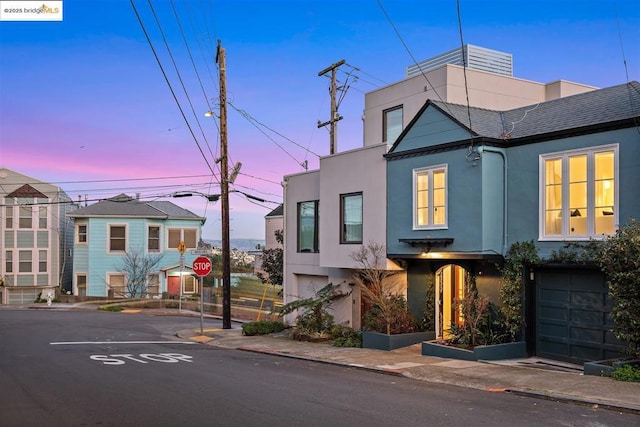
553 382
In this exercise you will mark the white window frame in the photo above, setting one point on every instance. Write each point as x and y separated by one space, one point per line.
149 227
86 283
182 237
124 285
86 234
564 156
430 170
126 238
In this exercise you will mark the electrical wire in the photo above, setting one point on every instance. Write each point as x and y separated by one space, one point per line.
411 55
186 93
164 74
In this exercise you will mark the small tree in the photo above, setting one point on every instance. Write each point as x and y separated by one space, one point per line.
519 255
272 262
315 319
136 267
377 285
620 261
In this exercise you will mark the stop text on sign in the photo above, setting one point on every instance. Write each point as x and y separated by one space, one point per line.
202 266
121 359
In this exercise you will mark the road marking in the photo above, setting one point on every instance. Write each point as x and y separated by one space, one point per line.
119 342
114 359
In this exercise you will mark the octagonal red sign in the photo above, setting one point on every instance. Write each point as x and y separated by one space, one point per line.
202 266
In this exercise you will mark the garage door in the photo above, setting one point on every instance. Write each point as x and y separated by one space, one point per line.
572 316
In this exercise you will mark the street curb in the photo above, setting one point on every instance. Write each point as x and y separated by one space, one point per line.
575 400
387 371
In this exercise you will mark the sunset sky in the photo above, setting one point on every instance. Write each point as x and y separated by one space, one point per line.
85 105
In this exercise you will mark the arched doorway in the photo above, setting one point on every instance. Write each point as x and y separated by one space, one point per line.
450 286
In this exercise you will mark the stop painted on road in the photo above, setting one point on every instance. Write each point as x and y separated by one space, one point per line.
121 359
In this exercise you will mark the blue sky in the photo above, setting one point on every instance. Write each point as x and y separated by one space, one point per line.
85 99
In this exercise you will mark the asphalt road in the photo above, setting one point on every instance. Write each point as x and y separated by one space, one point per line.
74 368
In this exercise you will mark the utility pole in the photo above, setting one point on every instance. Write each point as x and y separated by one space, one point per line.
224 192
335 117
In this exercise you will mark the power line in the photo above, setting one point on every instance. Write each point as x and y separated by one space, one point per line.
411 55
164 74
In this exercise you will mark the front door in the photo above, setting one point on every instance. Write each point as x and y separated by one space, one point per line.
173 285
450 286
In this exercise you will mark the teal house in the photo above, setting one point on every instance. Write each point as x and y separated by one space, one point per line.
465 183
111 233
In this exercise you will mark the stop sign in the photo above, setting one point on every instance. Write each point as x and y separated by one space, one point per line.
202 266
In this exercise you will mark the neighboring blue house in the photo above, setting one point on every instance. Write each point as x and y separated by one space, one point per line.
464 184
107 231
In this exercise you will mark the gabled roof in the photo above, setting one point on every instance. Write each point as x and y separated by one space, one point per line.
27 191
616 106
279 211
126 206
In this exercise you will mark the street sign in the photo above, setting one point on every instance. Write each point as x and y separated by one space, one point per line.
202 266
182 247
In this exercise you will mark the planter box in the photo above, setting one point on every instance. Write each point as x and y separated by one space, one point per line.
604 368
378 341
512 350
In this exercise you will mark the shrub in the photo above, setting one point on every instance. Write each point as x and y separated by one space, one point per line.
620 261
345 336
626 373
394 318
262 327
111 308
519 254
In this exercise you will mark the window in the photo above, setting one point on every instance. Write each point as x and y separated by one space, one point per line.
24 261
117 238
391 123
153 284
578 193
8 265
25 220
308 226
351 218
81 282
116 284
189 284
42 261
430 197
81 233
153 241
186 235
8 216
42 217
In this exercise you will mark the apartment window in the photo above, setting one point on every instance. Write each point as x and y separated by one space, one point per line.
351 218
25 259
8 265
578 193
391 123
153 241
153 284
117 238
117 284
81 283
430 197
8 210
26 217
42 261
187 235
308 226
81 233
189 284
42 217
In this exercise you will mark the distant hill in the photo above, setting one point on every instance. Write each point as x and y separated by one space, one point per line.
240 244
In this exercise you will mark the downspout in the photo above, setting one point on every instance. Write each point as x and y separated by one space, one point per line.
505 231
